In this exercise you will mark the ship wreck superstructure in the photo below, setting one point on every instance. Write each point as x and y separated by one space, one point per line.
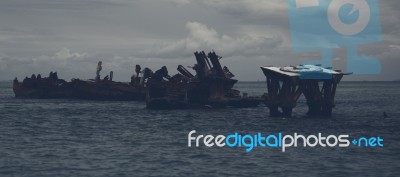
211 86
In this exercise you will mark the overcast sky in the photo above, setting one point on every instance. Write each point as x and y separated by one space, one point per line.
70 36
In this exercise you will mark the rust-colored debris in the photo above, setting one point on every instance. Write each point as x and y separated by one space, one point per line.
211 86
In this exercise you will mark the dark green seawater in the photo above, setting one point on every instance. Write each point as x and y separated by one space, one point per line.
92 138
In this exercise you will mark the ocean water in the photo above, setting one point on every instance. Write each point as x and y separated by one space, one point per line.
94 138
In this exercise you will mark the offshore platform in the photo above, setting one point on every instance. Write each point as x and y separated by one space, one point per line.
286 85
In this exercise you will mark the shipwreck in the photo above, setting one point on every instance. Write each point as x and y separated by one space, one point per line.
52 87
42 88
210 87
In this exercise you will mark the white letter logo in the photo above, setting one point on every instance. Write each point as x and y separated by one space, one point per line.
349 29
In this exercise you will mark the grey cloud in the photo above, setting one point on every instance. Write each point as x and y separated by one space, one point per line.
37 36
60 4
202 37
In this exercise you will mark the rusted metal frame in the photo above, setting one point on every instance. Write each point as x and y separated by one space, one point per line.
207 62
286 98
312 94
269 86
273 94
299 90
327 101
216 64
201 65
337 79
185 72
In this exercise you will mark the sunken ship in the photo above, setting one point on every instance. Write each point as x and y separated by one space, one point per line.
52 87
211 86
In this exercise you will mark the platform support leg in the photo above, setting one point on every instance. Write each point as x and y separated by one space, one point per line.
320 101
282 94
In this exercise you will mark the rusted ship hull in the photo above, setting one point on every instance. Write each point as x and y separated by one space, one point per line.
106 90
42 92
79 89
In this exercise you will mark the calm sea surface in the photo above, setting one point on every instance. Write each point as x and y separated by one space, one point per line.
92 138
